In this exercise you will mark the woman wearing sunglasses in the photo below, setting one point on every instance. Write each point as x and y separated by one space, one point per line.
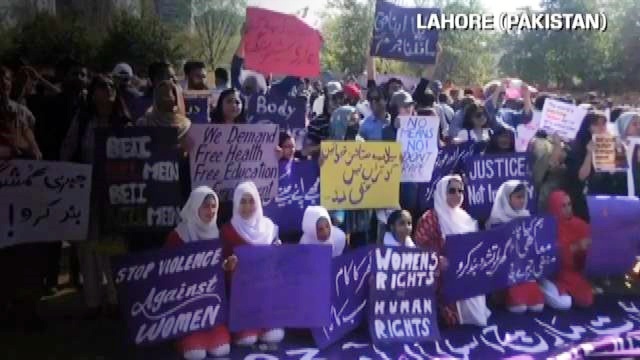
448 218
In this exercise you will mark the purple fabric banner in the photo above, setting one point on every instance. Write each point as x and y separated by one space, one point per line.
287 112
197 106
169 293
281 286
402 306
485 174
349 291
615 234
298 187
450 160
481 262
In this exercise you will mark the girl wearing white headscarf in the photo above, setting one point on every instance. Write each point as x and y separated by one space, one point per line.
511 203
199 224
317 230
249 226
448 218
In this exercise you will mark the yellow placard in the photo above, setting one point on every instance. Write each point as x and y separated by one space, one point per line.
360 175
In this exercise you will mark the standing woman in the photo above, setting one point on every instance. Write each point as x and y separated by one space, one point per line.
199 224
249 226
448 218
399 230
502 141
104 109
511 203
476 126
230 108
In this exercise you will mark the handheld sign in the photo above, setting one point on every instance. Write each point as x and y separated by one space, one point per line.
562 118
225 155
289 113
169 293
349 295
43 201
396 34
359 175
281 44
609 155
281 286
485 175
520 251
138 178
526 132
198 105
298 187
419 138
402 305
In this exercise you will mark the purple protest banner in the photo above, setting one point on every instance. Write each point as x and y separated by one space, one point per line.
615 234
169 293
402 306
197 104
298 187
349 293
281 286
481 262
485 174
397 35
449 160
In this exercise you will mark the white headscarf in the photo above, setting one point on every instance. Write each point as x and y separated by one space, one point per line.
312 215
452 220
192 228
390 240
257 230
502 212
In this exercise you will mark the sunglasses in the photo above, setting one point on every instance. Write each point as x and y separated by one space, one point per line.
454 191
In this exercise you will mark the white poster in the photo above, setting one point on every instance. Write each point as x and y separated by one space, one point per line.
419 138
43 201
562 119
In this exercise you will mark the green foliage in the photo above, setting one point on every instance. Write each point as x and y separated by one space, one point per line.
44 39
216 29
137 41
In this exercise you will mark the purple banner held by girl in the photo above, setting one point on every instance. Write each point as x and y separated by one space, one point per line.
481 262
168 293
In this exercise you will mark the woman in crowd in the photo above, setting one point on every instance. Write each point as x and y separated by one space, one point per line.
199 224
249 226
399 227
502 141
287 143
230 108
476 127
166 113
628 124
511 203
569 284
105 109
317 228
448 218
549 166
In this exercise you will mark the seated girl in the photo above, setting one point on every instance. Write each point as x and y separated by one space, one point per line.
511 203
249 226
199 224
399 227
448 218
318 230
569 284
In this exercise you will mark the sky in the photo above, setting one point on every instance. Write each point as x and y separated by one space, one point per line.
316 6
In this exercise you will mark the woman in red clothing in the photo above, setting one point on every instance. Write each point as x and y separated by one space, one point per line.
199 224
573 242
448 218
249 226
509 204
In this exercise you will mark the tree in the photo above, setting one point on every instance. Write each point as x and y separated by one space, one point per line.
216 28
138 41
347 30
